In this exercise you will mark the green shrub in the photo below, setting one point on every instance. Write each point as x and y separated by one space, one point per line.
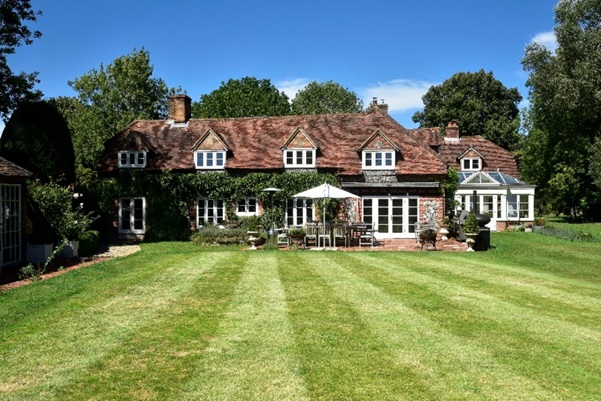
213 235
89 242
470 225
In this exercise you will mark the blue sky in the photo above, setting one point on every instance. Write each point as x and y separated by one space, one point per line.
389 49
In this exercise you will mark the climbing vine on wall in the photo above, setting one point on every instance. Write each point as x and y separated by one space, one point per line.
170 196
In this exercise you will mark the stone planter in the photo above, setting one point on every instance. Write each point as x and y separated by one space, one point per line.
38 253
71 249
470 241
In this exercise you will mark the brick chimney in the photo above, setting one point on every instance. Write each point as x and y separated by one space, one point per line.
379 108
180 108
452 131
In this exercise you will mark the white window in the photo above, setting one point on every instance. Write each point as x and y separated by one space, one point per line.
378 160
471 164
246 207
299 212
299 157
210 211
210 159
132 158
518 207
131 215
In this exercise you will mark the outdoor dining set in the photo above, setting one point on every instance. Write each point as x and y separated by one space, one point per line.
327 235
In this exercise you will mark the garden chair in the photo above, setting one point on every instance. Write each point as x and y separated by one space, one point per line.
282 237
367 236
339 232
324 235
311 234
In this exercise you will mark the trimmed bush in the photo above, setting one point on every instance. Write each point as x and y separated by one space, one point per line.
89 242
213 235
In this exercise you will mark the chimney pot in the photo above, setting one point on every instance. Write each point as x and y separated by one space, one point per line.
180 108
452 130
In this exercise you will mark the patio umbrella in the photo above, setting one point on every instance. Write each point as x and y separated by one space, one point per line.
325 191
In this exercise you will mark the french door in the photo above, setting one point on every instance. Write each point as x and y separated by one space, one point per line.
131 216
391 217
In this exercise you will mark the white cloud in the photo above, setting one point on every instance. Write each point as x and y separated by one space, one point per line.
400 94
292 86
546 39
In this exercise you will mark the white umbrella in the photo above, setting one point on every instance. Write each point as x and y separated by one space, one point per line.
324 191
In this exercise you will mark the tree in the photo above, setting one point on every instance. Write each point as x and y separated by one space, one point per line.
246 97
481 105
109 99
16 88
38 138
325 98
565 99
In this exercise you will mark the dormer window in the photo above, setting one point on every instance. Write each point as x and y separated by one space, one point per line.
132 159
209 159
471 164
296 158
378 159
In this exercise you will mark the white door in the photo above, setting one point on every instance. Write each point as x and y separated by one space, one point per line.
391 217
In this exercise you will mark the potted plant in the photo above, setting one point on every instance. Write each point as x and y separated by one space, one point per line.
539 224
297 232
444 228
427 234
471 228
39 245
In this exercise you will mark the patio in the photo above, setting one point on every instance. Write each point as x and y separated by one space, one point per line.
353 242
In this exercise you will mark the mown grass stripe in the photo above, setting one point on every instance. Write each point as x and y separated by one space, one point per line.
71 343
253 356
532 345
342 359
537 294
153 361
455 369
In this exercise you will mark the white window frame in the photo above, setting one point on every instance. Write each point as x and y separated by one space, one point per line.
467 164
131 158
519 207
298 213
299 154
133 217
209 159
379 159
213 213
247 204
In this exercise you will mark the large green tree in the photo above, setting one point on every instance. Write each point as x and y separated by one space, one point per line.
246 97
479 102
38 139
110 98
16 88
325 98
565 111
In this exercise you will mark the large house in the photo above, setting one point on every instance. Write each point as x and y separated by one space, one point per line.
396 172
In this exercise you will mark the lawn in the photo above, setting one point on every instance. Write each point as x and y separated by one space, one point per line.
177 322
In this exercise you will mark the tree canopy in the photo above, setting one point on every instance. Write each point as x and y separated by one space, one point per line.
479 102
109 99
326 98
560 153
38 139
16 88
246 97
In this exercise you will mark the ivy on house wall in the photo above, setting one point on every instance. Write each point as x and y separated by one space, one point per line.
170 196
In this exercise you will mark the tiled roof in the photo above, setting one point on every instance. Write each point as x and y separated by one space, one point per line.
255 142
8 168
494 157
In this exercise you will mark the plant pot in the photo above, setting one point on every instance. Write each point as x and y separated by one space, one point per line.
38 253
71 249
470 241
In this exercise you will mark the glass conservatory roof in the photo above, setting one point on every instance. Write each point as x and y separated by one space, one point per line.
488 177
